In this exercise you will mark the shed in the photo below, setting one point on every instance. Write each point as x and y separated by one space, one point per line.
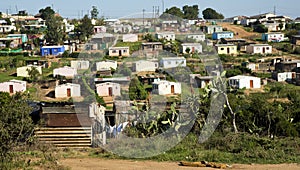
130 38
67 90
226 48
170 36
23 71
118 51
241 81
191 48
259 49
273 37
196 36
219 35
80 64
171 62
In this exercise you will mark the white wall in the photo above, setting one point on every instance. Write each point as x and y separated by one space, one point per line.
144 65
103 89
164 87
61 90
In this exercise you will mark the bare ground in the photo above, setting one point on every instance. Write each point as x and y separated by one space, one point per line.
113 164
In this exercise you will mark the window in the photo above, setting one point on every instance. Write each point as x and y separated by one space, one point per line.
169 62
124 51
222 48
113 51
267 48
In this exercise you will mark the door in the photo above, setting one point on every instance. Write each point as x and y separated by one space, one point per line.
193 49
172 89
263 50
11 89
251 84
228 50
110 91
68 92
120 52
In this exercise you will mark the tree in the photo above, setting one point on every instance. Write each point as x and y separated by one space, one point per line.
260 28
94 12
46 13
136 90
16 126
54 33
33 74
190 12
210 13
85 29
174 11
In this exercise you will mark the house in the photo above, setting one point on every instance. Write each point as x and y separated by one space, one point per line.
13 86
13 42
242 81
274 26
239 42
23 37
164 87
272 37
52 50
287 66
152 46
196 36
108 89
295 39
169 36
284 76
106 65
219 35
80 64
99 29
170 25
118 51
65 71
144 65
209 29
112 21
130 38
226 49
259 49
191 48
67 90
171 62
23 71
7 28
102 40
123 29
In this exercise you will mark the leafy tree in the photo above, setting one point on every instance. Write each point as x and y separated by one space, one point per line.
190 12
46 13
94 12
210 13
54 33
85 29
260 28
174 11
33 74
137 90
16 126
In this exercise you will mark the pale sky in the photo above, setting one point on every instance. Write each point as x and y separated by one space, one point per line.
121 8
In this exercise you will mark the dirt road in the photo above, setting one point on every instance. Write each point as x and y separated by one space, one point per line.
108 164
239 31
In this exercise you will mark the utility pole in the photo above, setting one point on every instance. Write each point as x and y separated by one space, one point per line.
144 17
274 10
163 6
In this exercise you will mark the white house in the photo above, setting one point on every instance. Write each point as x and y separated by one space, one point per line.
144 65
13 86
23 71
203 81
171 62
285 76
164 87
196 36
226 49
67 90
191 48
241 81
170 36
122 28
80 64
7 28
108 89
130 38
118 51
99 29
209 29
65 71
273 37
259 49
106 65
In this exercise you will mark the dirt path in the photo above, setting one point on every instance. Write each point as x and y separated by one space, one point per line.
107 164
239 31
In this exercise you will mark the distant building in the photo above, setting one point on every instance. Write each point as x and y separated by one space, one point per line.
226 49
172 62
106 65
259 49
193 48
273 37
241 81
108 89
209 29
196 36
130 38
170 36
52 50
23 71
118 51
166 87
80 64
144 65
13 86
219 35
295 39
65 71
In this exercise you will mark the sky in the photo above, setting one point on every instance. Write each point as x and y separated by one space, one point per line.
121 8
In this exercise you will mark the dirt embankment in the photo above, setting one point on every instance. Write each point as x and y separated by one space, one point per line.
108 164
